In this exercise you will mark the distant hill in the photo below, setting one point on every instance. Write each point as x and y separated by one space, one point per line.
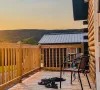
18 35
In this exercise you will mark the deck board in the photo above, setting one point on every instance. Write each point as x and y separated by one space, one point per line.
31 83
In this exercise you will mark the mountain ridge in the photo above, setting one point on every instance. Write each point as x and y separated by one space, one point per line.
36 34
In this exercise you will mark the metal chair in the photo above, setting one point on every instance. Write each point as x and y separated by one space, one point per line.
80 69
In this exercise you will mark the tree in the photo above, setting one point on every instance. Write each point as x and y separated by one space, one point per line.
29 41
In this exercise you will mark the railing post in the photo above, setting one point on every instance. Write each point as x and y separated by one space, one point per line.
20 63
39 57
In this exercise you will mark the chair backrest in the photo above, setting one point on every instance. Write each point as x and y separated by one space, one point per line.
83 62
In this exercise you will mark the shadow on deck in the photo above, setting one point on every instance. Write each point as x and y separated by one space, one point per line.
31 83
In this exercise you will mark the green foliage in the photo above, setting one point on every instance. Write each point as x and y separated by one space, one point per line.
29 41
11 68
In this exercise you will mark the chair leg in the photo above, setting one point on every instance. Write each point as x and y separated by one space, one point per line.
84 73
60 77
88 80
71 76
80 80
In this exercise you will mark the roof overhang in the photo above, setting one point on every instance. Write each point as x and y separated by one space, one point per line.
80 9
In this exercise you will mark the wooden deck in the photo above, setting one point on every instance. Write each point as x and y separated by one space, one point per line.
31 83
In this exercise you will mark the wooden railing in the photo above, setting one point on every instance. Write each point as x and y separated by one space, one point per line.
53 56
17 60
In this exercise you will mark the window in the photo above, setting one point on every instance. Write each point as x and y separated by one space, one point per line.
85 22
85 37
85 30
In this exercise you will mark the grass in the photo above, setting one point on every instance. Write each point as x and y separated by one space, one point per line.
11 67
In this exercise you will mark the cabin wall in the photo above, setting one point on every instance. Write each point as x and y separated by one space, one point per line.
91 42
98 43
94 41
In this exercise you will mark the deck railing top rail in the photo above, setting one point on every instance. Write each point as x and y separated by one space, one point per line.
16 45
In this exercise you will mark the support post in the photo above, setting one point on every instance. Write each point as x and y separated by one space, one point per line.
20 63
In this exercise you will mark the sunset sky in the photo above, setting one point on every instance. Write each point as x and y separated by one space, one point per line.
37 14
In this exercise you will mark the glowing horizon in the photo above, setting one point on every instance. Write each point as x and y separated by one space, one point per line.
37 14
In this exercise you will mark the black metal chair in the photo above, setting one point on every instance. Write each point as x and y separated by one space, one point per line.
80 69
